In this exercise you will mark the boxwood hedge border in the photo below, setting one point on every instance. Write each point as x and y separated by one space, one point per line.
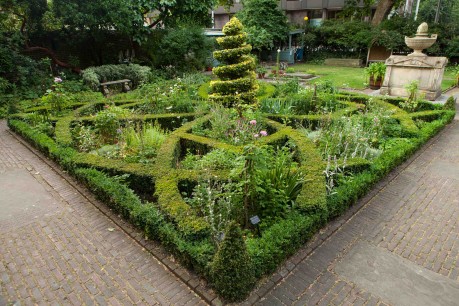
188 240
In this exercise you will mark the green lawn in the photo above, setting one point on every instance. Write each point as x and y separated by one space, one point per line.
449 80
343 77
347 77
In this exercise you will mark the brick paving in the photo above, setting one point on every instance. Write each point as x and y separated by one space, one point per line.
71 253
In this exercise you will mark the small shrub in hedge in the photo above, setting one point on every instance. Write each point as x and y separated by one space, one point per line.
450 104
110 190
232 272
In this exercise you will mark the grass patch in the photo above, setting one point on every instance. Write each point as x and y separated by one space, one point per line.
348 77
342 77
449 79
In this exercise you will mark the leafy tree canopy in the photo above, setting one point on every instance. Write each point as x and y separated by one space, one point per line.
353 10
265 23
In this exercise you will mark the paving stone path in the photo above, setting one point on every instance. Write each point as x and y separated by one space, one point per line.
58 248
398 246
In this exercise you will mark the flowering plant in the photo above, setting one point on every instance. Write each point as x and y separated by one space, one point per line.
56 97
233 129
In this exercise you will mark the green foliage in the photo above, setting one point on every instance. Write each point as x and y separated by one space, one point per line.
355 136
411 104
268 183
339 38
21 75
227 126
108 124
112 191
391 33
237 85
93 76
173 13
376 70
280 241
56 98
277 106
216 202
354 10
185 48
217 159
232 271
450 104
170 96
98 16
265 23
142 144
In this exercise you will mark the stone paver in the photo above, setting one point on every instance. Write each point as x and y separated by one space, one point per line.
413 214
69 252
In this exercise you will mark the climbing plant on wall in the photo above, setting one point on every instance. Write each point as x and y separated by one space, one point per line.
237 85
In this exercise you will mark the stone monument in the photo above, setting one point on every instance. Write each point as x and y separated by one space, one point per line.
417 66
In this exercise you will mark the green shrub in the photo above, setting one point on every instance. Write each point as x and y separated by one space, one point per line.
110 190
232 271
93 76
184 48
450 104
108 122
281 240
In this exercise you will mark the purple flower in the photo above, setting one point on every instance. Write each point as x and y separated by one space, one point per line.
263 133
253 122
57 80
256 135
119 131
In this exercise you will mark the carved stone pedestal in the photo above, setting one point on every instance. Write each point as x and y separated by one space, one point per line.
402 70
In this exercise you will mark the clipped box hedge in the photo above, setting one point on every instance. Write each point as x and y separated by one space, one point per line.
171 221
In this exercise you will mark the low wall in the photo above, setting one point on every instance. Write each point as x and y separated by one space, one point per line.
344 62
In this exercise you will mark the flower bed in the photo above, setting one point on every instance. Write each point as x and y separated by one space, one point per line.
213 187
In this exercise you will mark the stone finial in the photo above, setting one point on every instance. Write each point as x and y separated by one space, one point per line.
422 29
421 40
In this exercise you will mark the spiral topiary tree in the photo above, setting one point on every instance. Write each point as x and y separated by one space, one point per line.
237 84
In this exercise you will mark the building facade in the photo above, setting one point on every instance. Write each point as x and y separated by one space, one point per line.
296 10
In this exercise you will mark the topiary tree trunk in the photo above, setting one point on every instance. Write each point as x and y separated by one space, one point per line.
232 270
237 85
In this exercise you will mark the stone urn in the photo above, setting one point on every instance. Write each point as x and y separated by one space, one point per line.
421 40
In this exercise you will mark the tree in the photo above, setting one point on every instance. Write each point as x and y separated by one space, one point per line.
265 23
353 10
171 12
237 85
382 10
232 271
448 11
186 48
28 19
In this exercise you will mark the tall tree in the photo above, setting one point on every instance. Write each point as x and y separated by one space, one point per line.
171 12
383 9
265 23
28 19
